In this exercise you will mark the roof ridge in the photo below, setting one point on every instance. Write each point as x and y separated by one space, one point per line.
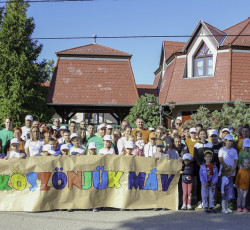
214 27
237 24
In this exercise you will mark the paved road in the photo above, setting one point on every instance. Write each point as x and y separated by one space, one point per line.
143 219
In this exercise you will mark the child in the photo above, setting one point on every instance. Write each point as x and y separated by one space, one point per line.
76 149
139 144
107 150
242 184
150 147
91 148
15 151
245 152
208 178
160 153
129 146
64 150
187 181
227 187
48 150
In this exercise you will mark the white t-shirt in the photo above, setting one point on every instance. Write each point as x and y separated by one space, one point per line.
76 151
14 154
149 150
25 132
35 147
104 151
229 156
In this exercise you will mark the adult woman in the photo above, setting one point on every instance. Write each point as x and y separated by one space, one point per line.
17 132
82 136
47 134
42 127
122 141
33 147
116 136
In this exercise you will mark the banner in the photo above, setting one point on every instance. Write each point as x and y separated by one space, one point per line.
44 183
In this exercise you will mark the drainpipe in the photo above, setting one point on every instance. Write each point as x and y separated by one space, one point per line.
230 72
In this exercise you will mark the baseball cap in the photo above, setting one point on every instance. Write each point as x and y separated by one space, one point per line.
231 128
29 117
151 128
225 130
208 152
73 135
63 128
193 130
152 136
54 127
107 138
14 141
109 127
159 143
169 140
129 145
187 156
213 132
246 143
101 126
48 148
229 137
64 146
92 145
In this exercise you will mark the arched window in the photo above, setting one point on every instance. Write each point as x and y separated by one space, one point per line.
203 62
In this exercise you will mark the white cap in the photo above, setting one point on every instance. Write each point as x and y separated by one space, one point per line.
63 128
109 127
225 130
49 148
107 138
64 146
129 145
193 130
73 135
54 127
92 145
229 137
213 132
101 126
29 117
14 141
151 128
187 156
246 143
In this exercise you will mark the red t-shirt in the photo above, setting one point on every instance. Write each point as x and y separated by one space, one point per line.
210 172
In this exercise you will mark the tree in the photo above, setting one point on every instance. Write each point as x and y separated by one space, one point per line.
150 116
21 74
238 114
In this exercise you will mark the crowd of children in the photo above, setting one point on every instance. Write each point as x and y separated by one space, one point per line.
215 163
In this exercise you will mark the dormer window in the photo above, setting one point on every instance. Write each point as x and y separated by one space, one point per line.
203 62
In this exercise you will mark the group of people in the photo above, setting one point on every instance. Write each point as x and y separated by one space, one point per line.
215 163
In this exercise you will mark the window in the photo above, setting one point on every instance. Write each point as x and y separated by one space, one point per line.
203 62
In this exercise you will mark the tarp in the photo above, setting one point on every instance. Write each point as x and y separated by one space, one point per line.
46 183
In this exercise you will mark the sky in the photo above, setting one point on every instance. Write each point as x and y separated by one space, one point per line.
127 18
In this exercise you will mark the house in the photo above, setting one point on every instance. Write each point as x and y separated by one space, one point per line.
93 79
210 69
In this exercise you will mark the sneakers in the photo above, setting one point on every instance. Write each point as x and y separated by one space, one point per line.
189 207
245 210
229 210
225 211
212 210
184 207
200 204
95 210
239 209
206 210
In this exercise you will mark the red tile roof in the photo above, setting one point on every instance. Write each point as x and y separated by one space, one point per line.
241 28
100 81
156 80
93 49
149 89
172 47
218 34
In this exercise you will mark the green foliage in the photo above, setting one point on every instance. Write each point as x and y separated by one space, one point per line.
238 114
21 74
150 116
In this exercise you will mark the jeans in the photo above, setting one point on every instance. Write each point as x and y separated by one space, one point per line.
207 194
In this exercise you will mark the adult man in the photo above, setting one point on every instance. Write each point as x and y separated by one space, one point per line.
140 127
123 125
214 137
56 122
90 131
72 127
26 129
178 124
66 138
98 138
7 133
82 124
245 134
36 124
